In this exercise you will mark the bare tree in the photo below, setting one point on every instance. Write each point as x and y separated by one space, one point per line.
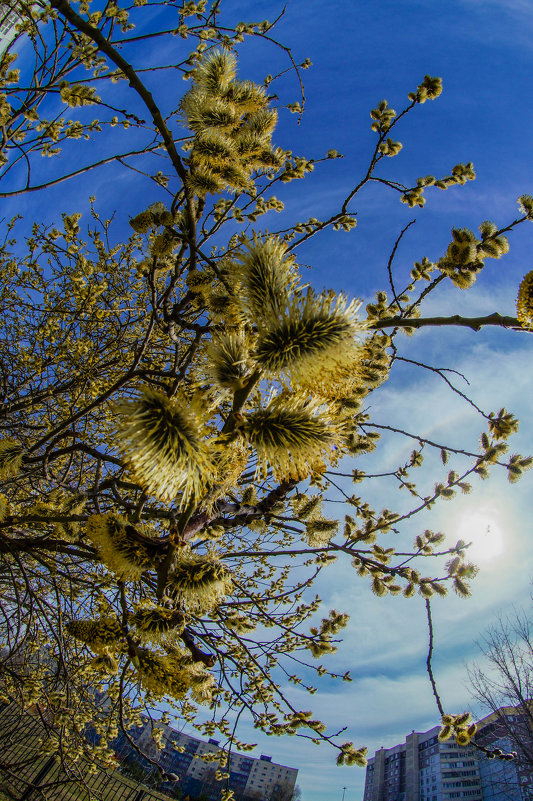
504 687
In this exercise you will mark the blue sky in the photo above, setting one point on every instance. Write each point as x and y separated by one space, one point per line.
363 52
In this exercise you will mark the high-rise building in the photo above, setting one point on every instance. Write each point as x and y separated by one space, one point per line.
422 769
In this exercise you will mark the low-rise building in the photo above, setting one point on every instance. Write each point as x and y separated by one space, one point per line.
192 760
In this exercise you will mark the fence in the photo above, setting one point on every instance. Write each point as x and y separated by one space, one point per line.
27 775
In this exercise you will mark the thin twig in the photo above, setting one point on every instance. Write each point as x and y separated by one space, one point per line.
428 660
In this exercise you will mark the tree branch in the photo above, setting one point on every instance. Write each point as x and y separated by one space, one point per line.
475 323
428 660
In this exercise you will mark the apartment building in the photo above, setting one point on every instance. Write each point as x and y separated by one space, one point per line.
249 777
8 20
23 766
422 769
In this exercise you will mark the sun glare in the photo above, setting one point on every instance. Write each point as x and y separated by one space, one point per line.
481 527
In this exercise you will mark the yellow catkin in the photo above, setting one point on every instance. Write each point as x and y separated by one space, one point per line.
314 337
294 437
117 546
10 458
161 444
201 582
524 303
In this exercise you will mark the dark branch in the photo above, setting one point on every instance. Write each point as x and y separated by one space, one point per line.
475 323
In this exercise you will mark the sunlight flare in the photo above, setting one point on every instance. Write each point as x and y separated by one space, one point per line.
484 529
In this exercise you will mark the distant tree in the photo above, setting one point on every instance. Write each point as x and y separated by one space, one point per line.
177 404
131 767
285 792
504 683
210 785
296 793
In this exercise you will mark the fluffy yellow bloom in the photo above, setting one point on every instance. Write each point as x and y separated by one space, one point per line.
294 437
99 635
215 72
202 685
524 304
161 444
155 624
174 674
161 674
230 461
105 663
344 387
201 582
229 362
4 508
316 336
232 127
267 275
319 531
118 547
10 458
